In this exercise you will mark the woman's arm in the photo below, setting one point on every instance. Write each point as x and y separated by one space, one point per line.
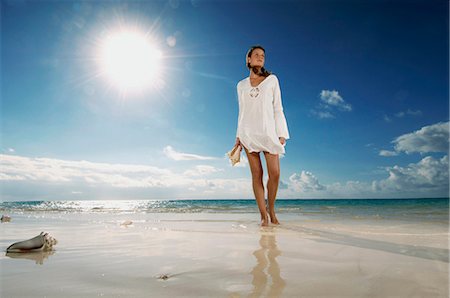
280 119
240 114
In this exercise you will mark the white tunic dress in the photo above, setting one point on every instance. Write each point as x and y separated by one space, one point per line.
261 120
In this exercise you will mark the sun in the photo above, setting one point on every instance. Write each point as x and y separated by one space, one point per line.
129 60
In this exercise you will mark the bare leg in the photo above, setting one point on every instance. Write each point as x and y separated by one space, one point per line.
273 167
258 185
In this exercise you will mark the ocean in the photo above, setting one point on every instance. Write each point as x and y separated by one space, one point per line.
417 210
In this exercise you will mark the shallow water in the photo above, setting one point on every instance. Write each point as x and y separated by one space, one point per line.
327 250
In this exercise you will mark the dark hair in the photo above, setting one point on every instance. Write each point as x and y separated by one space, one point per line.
263 72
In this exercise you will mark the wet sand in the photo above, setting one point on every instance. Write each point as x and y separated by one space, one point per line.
223 255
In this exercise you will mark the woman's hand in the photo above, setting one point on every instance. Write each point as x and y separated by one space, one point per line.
282 140
238 142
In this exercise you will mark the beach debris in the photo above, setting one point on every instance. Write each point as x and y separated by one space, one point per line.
42 242
163 276
126 223
5 218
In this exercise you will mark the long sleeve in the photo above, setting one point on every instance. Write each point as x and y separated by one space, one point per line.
280 119
240 110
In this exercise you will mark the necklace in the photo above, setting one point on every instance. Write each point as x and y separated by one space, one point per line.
254 92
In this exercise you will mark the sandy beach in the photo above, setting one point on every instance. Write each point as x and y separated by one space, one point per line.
223 255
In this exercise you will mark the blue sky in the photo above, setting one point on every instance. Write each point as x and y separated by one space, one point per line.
364 88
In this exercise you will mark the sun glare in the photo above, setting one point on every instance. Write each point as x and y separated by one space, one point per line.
129 60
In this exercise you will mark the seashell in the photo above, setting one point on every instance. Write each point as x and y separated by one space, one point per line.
126 223
5 218
42 242
163 276
235 154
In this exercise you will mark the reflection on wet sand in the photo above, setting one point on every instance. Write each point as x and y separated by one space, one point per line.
266 257
37 256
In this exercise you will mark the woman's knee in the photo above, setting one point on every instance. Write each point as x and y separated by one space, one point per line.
257 174
274 174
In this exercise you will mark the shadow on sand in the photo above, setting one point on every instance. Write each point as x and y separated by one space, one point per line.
424 252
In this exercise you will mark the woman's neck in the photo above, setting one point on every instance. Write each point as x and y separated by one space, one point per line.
253 75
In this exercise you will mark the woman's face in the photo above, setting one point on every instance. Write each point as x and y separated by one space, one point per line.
257 58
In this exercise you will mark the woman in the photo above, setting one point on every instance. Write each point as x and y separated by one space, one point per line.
262 127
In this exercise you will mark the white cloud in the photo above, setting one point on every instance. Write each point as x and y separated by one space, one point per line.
51 177
408 112
426 176
323 114
388 153
402 114
172 154
307 185
432 138
351 189
329 102
59 171
305 181
332 98
11 177
202 170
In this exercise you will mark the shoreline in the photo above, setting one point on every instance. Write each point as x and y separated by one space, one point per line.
224 255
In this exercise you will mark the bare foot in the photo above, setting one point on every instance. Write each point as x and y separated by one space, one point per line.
265 221
273 218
